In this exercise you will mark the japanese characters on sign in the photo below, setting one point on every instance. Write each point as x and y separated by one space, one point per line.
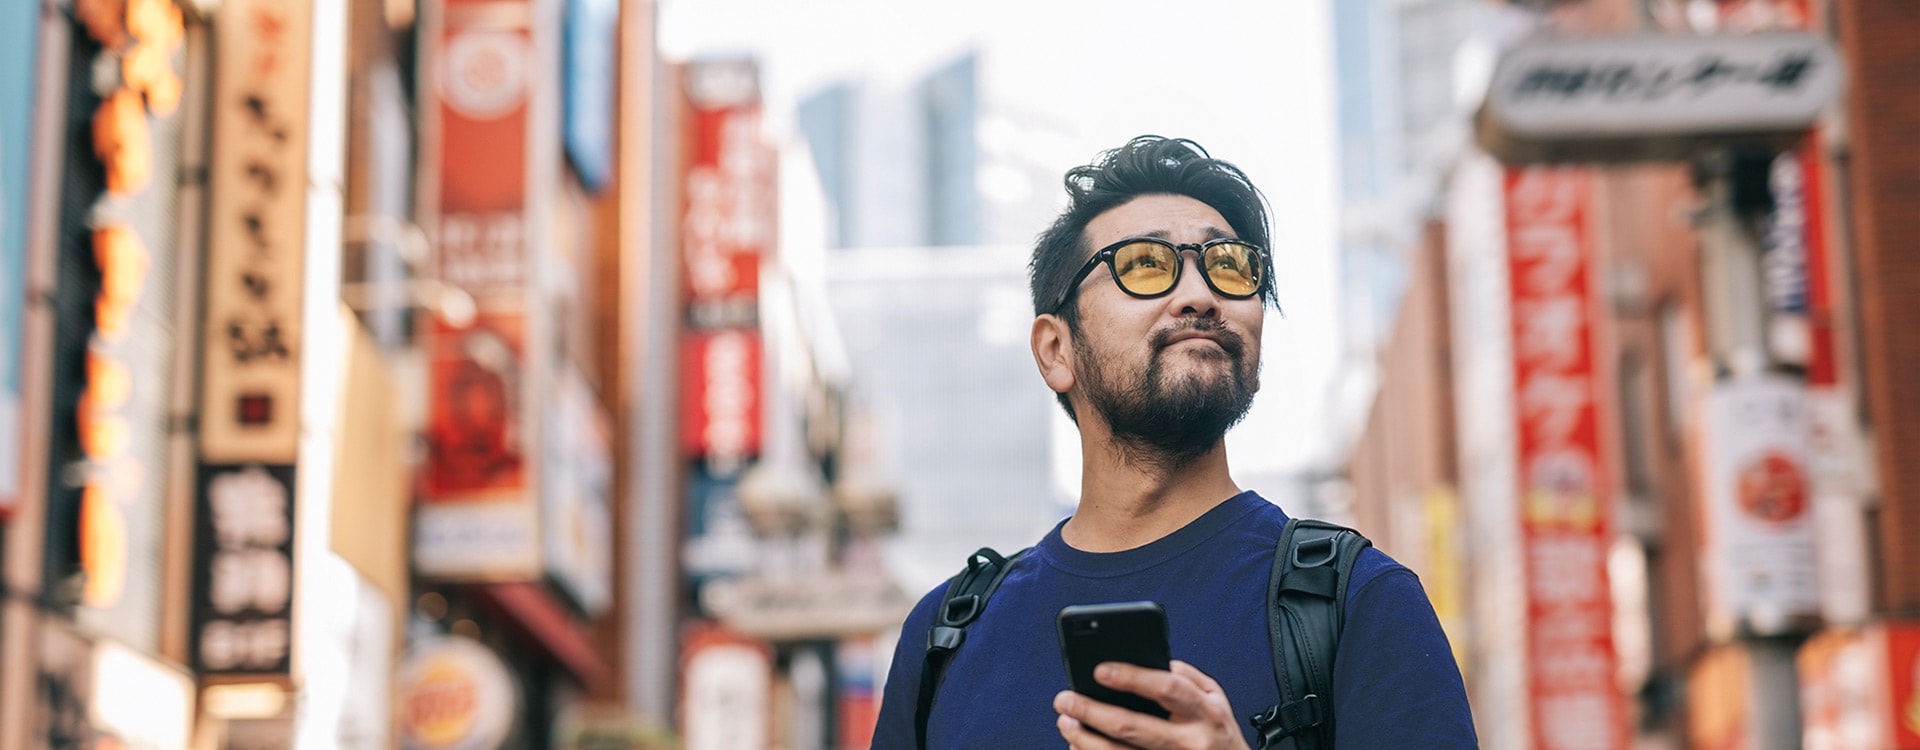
256 231
726 230
243 568
1565 525
1663 85
720 404
728 224
1758 499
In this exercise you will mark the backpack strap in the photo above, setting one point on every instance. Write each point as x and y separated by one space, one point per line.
966 598
1306 601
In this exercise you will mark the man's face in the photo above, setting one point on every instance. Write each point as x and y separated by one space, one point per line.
1172 372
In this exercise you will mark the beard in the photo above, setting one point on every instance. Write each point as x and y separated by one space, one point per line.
1165 421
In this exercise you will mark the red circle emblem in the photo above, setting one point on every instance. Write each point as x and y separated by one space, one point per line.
1773 488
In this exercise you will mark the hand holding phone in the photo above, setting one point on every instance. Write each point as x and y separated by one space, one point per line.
1131 632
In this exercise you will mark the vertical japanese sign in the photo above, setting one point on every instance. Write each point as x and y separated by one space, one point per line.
1564 516
478 518
243 571
249 424
1758 501
19 28
726 229
483 69
256 230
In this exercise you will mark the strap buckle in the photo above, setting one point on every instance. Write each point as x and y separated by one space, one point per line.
1288 719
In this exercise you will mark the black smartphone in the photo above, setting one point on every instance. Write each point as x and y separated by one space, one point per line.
1131 632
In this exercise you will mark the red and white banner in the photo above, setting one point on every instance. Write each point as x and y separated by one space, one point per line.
1565 525
1758 504
727 196
720 397
483 62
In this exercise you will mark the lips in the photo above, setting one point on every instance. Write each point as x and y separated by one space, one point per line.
1227 340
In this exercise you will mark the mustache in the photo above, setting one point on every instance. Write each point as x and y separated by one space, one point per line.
1230 341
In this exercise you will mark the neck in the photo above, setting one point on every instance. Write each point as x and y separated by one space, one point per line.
1131 495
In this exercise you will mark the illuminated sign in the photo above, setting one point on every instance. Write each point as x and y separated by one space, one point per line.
243 567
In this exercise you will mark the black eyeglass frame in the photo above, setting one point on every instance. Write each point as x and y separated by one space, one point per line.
1105 255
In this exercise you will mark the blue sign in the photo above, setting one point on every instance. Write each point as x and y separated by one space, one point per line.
590 61
19 27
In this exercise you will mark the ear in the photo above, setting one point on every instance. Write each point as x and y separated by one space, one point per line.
1052 345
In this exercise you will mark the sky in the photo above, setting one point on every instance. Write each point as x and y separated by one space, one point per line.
1250 81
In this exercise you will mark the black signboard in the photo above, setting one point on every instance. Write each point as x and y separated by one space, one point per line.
243 570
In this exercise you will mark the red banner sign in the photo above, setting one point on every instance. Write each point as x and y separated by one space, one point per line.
720 402
727 219
1565 528
483 78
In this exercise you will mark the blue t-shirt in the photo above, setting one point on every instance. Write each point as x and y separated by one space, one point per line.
1395 681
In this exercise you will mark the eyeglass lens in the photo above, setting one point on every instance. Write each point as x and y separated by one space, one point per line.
1150 268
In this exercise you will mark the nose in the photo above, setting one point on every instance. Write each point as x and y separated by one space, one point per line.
1191 296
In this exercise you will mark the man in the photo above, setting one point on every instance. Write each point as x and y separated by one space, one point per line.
1149 294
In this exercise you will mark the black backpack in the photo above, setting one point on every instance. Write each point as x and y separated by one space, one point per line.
1307 593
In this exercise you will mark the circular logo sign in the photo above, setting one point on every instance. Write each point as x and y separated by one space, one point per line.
454 695
486 73
1773 488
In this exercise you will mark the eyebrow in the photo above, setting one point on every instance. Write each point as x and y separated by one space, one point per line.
1213 233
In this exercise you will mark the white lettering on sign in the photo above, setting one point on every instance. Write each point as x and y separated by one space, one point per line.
728 398
243 645
249 572
481 252
1563 516
1662 85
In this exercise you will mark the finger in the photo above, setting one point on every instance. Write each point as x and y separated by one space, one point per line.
1178 694
1121 725
1078 737
1207 684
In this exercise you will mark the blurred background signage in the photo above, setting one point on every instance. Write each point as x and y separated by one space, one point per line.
1759 508
242 605
1565 522
479 517
454 694
1653 95
578 494
250 373
1861 688
726 683
823 605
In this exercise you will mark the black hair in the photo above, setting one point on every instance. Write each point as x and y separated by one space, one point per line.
1146 165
